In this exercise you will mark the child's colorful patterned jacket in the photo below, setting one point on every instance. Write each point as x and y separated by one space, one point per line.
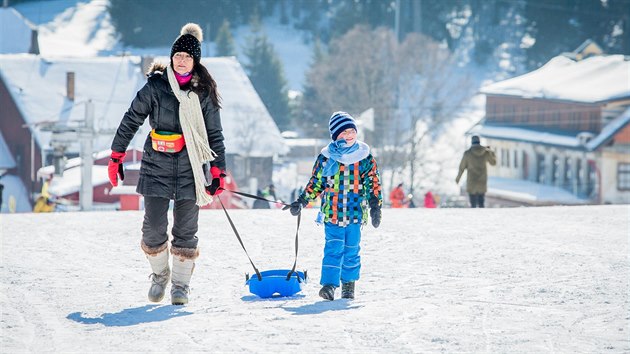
345 195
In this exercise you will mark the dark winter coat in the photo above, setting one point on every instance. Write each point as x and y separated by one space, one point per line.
474 160
162 174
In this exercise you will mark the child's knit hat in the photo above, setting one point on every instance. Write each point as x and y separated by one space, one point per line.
189 41
339 122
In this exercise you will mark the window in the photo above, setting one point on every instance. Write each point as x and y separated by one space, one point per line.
579 176
555 170
540 162
594 122
507 157
568 174
623 176
514 159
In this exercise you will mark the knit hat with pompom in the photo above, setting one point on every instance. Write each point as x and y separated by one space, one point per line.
189 41
340 121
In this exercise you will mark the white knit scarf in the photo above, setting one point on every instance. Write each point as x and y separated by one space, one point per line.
195 134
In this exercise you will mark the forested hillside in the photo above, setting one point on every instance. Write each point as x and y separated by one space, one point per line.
542 28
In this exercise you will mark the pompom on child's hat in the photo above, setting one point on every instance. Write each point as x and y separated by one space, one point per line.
189 41
340 121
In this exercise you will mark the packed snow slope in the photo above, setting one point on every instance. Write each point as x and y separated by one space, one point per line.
551 279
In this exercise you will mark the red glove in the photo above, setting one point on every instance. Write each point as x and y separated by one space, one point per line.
115 167
216 187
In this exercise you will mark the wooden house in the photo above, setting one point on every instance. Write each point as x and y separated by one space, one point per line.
562 132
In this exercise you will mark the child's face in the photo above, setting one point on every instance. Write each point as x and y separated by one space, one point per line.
349 135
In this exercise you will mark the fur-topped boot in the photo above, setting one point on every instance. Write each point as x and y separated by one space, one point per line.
183 266
158 258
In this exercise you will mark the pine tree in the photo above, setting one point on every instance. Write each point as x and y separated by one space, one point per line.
266 74
225 41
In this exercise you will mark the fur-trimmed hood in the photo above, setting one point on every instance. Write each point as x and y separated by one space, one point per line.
156 68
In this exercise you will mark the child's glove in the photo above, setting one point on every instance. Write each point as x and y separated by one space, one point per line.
296 207
375 212
115 167
216 187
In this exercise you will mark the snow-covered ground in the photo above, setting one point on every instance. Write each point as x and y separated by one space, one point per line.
524 280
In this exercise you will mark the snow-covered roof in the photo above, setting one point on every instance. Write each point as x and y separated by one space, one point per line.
15 32
530 192
248 127
550 138
526 135
70 182
595 79
38 86
6 157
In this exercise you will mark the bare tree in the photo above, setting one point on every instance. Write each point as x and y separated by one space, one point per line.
353 76
432 89
415 87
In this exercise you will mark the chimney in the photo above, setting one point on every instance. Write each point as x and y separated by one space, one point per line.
145 63
34 49
70 85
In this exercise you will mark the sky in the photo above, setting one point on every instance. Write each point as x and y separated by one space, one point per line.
515 280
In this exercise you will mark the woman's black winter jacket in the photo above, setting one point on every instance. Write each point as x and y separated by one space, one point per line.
167 175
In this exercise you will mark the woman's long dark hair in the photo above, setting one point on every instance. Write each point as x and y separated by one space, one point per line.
206 84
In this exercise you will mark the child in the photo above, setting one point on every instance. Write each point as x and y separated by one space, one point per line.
347 175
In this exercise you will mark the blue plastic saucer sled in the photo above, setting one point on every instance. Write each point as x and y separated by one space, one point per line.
275 283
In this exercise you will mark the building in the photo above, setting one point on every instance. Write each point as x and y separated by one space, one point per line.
561 132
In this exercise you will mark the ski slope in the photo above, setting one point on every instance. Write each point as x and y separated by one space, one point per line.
552 279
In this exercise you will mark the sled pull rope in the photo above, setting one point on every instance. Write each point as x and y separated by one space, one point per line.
296 246
239 239
297 230
255 197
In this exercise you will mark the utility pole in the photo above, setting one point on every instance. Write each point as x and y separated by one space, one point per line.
86 136
62 137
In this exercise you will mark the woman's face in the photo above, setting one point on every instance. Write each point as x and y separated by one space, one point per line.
349 135
182 63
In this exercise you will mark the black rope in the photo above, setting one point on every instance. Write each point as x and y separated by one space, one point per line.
255 197
297 230
296 247
239 238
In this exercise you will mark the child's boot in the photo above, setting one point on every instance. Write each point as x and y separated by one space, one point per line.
158 259
327 292
347 290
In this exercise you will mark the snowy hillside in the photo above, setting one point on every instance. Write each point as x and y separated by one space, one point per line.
433 280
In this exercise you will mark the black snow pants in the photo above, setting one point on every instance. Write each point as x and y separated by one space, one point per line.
185 222
476 200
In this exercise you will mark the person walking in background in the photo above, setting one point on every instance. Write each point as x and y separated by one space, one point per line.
397 197
182 101
429 201
346 175
474 161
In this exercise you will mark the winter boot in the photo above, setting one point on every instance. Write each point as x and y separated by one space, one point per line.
183 266
327 292
347 290
158 259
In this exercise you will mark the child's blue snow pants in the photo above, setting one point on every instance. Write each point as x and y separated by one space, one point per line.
341 254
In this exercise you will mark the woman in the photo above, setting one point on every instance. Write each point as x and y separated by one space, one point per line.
182 102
